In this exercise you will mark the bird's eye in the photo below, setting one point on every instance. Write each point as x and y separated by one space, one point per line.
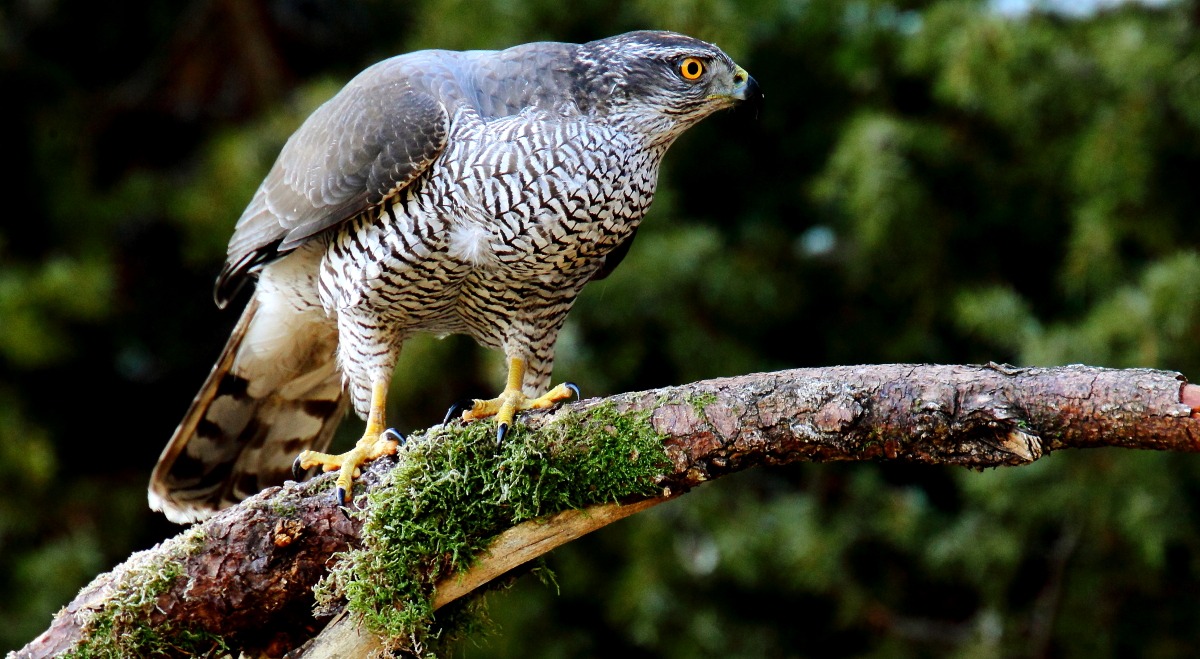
691 68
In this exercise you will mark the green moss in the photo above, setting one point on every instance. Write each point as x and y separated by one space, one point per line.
121 628
283 507
455 490
701 401
194 540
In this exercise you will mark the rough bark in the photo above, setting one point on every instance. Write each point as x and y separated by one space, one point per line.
247 574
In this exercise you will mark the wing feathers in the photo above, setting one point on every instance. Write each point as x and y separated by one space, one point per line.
368 142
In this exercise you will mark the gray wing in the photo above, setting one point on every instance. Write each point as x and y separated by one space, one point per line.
364 145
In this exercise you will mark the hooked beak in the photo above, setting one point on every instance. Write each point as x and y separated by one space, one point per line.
745 87
746 90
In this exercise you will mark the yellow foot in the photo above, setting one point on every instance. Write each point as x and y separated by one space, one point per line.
511 401
370 447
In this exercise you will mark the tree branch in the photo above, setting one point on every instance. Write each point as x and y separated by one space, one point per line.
246 576
344 637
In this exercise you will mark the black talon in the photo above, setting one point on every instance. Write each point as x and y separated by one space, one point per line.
395 436
575 388
339 496
297 471
501 431
456 410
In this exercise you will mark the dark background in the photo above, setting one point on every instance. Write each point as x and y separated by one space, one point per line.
930 182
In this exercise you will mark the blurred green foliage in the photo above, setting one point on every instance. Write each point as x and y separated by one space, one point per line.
930 182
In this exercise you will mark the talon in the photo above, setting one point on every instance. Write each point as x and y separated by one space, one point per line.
375 443
513 400
297 470
393 435
456 410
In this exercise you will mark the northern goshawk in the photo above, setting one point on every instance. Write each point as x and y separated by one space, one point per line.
446 192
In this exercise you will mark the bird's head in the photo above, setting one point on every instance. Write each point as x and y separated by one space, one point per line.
661 83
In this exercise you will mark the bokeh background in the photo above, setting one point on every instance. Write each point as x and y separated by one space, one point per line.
930 182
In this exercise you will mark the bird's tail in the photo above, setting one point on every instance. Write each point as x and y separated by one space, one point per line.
275 391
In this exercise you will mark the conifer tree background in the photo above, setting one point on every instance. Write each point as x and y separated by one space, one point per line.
929 182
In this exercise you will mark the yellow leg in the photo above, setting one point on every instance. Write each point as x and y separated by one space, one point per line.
373 444
513 399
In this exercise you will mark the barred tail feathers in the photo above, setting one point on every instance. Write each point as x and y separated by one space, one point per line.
275 391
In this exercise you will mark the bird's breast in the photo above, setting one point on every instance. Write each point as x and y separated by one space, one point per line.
534 199
509 208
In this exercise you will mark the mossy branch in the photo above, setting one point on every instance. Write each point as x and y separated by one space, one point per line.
244 580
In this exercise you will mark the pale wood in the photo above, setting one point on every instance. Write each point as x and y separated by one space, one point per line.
525 542
344 637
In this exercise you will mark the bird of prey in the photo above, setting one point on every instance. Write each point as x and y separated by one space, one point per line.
471 192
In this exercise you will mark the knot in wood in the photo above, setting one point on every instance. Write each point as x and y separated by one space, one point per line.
1023 446
286 532
837 415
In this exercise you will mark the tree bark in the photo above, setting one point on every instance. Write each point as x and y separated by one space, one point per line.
247 574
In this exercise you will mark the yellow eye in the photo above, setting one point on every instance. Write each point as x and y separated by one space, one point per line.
691 68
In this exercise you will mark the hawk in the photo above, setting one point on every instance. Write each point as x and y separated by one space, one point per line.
471 192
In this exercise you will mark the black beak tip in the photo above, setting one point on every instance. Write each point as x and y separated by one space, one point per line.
753 97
